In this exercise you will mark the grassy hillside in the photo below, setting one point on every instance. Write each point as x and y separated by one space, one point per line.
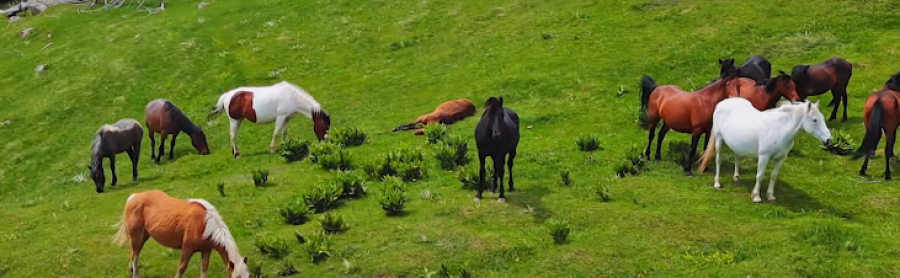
375 64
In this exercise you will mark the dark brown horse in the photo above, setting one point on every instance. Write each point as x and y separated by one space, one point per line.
123 136
497 137
832 74
446 113
161 116
755 67
685 112
766 95
881 113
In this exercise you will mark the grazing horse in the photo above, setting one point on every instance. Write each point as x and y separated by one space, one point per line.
765 95
882 112
276 103
191 225
161 116
832 74
496 135
122 136
768 134
446 113
685 112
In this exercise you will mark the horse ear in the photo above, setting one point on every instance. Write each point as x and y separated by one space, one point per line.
245 260
230 265
501 101
89 167
720 61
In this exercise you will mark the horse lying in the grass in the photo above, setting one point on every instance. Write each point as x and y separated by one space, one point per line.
446 113
161 116
191 225
832 74
496 136
765 95
276 103
122 136
768 134
881 113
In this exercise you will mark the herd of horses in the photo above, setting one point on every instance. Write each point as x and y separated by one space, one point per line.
741 109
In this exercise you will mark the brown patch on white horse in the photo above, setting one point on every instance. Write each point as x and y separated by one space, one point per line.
241 106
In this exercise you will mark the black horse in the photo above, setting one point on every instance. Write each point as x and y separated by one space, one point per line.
755 67
496 135
122 136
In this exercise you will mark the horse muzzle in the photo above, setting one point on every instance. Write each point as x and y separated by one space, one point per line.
826 142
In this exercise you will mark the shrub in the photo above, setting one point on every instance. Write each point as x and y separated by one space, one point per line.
294 213
393 196
461 148
287 269
339 160
319 149
411 172
347 137
564 178
559 231
272 246
469 177
446 157
444 272
633 164
588 143
841 143
260 177
352 185
679 152
299 237
255 269
434 133
603 192
332 223
322 197
294 149
317 247
406 163
221 188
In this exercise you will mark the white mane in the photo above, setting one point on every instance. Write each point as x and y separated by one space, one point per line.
792 107
217 231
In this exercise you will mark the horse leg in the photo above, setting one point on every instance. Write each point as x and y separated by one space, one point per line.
133 155
509 164
736 178
760 173
234 126
186 254
695 138
494 181
498 175
279 124
112 168
172 147
836 100
865 165
479 187
138 238
651 130
662 135
718 162
204 263
890 135
162 147
152 145
840 90
770 194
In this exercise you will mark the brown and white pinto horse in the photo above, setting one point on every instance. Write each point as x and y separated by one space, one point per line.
191 225
685 112
832 74
446 113
882 112
161 116
765 96
276 103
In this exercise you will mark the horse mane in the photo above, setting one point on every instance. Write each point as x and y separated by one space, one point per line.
315 107
791 107
95 146
179 117
217 231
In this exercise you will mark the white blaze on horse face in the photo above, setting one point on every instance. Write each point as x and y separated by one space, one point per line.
814 123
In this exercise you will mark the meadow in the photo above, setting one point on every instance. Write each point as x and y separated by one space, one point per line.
569 68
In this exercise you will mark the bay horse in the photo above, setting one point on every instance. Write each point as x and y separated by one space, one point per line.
446 113
191 225
266 104
765 95
685 112
123 136
756 67
832 74
163 117
881 113
496 135
768 134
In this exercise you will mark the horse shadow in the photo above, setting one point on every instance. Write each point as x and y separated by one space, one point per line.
531 201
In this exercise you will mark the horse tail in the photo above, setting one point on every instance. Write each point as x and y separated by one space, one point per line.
873 132
647 87
220 106
708 153
122 235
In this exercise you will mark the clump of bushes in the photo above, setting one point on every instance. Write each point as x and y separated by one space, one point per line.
294 212
603 193
287 269
322 197
841 143
559 231
272 246
347 137
679 152
294 149
393 196
588 143
564 179
634 164
408 164
339 160
333 223
453 153
255 269
434 133
352 185
320 149
260 177
317 247
469 178
444 272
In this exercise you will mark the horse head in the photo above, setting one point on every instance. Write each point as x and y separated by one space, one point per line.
800 75
814 123
893 83
321 124
493 109
238 269
784 85
198 140
727 70
96 172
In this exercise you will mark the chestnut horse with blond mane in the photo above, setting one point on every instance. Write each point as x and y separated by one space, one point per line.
276 103
191 225
765 95
685 112
446 113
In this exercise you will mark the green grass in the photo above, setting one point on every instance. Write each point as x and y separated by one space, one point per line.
375 64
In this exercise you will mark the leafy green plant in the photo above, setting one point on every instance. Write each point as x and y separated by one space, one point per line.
469 177
322 197
460 146
352 185
340 160
446 157
588 143
841 143
332 223
255 269
294 213
634 164
294 149
434 133
564 179
347 137
221 188
559 231
406 163
679 152
272 246
287 269
260 177
393 196
299 237
320 149
317 247
603 193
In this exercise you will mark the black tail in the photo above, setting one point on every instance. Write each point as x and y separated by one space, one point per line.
873 132
647 86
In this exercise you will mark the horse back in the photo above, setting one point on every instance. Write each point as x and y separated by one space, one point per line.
167 219
121 136
156 117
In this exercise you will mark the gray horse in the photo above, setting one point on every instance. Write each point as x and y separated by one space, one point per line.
123 136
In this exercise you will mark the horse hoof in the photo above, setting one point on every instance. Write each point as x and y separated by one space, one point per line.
476 199
771 199
757 199
862 174
511 189
717 185
501 200
688 174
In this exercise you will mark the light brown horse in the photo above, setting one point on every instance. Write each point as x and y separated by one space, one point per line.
882 112
446 113
191 225
832 74
685 112
765 96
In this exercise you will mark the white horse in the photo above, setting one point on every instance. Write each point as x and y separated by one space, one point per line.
768 134
276 103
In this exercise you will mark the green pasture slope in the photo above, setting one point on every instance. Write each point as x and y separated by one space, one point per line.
375 64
